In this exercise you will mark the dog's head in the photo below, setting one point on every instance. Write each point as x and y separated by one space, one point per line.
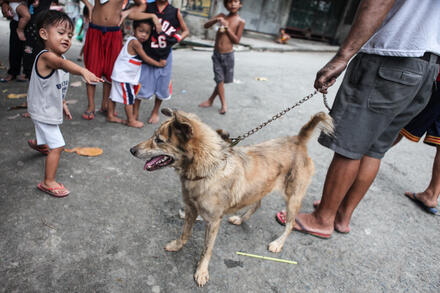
178 142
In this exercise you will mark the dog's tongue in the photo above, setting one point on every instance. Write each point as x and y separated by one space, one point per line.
150 165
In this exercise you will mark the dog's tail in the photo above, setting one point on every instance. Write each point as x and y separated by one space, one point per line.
322 120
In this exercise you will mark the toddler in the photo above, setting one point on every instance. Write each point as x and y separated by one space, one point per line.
47 90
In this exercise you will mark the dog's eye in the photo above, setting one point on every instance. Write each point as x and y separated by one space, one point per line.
158 140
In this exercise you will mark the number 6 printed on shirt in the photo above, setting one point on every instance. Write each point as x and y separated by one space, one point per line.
161 42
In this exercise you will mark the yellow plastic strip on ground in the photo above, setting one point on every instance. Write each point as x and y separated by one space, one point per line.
267 258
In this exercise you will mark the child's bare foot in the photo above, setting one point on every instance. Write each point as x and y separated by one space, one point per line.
222 111
206 104
135 123
20 34
154 118
115 119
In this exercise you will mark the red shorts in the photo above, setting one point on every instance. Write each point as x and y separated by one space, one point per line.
101 49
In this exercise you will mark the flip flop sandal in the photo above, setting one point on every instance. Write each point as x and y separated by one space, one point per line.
44 149
427 209
60 191
88 115
281 218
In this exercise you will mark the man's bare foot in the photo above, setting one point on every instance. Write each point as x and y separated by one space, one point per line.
222 111
339 226
310 224
115 119
20 34
206 104
154 118
136 124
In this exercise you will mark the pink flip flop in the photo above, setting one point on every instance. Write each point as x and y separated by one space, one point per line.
60 191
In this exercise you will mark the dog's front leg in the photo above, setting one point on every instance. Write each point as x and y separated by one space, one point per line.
190 218
238 220
201 276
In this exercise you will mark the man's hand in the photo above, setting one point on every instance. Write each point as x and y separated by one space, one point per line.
90 78
124 15
326 77
7 10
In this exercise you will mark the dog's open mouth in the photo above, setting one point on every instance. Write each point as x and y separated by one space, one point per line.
158 162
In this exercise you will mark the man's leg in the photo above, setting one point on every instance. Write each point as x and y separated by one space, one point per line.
16 48
91 88
341 175
367 173
105 94
429 197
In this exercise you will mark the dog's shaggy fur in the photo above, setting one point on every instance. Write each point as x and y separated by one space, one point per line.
218 179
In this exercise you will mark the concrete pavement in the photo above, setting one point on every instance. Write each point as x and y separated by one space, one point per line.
109 234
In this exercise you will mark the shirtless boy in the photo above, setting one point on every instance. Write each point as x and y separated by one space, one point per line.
229 33
102 47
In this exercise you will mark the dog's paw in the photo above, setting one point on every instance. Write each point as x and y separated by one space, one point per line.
275 246
174 245
236 220
201 277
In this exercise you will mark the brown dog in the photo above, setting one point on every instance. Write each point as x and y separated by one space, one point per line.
218 179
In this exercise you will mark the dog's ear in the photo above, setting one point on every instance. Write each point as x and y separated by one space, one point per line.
183 126
223 134
167 112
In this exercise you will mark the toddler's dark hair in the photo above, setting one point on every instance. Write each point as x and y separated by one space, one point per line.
225 2
137 23
51 18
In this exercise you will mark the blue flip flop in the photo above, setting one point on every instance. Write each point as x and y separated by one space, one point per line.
427 209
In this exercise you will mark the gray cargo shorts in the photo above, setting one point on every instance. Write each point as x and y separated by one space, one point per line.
223 64
377 98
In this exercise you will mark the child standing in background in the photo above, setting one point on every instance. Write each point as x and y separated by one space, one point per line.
229 33
47 90
127 72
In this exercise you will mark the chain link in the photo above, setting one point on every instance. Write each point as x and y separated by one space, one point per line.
236 140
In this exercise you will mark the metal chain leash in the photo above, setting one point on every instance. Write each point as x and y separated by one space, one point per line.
236 140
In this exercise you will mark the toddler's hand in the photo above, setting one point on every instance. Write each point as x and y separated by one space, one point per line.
90 77
66 111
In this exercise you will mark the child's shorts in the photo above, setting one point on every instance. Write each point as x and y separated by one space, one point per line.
223 64
378 96
124 93
427 121
156 81
49 134
101 49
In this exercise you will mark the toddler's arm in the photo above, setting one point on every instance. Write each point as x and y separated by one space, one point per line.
67 111
53 61
137 47
135 13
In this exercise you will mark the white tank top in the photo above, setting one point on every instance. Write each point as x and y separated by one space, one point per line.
127 68
411 28
46 94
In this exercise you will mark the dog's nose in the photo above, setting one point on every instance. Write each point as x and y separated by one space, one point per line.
133 151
